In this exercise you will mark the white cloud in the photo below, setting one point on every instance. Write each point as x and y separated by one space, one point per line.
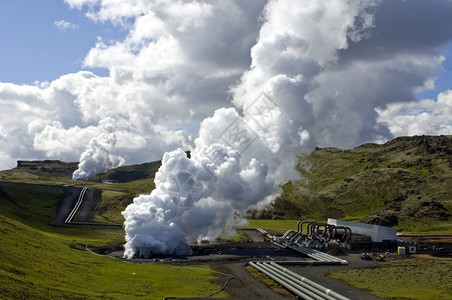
426 117
80 3
339 71
64 25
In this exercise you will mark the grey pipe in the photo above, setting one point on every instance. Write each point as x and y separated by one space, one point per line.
288 232
308 263
314 284
309 227
317 254
76 207
303 287
316 288
302 292
326 258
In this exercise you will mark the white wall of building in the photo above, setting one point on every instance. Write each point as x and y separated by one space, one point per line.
377 233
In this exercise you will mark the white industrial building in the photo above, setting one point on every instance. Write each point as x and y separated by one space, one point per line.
377 233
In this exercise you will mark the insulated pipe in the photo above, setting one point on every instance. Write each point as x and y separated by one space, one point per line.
300 225
326 258
77 206
297 238
299 233
312 283
345 236
261 230
287 234
317 226
318 255
308 263
309 230
317 289
288 284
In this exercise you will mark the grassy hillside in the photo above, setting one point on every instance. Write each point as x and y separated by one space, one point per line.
117 187
36 265
38 261
406 183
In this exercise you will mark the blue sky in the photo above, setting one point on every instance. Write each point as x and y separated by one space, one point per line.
444 82
35 49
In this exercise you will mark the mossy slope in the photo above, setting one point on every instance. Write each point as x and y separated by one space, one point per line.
406 182
36 265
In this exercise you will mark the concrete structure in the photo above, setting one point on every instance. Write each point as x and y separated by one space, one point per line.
377 233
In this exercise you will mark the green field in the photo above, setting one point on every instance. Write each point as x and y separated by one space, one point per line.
36 265
414 278
38 261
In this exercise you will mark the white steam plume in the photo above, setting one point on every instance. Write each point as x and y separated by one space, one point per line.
98 157
198 198
238 161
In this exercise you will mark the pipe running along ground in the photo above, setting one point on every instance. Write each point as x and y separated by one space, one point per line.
77 206
299 285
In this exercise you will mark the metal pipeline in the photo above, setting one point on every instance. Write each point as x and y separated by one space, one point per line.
317 255
314 254
299 285
288 284
77 206
314 289
312 283
288 234
309 227
261 230
345 236
308 263
300 225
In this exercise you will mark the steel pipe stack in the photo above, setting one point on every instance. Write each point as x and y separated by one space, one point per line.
297 284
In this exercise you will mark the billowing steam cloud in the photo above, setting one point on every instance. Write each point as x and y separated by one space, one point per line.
98 157
333 73
238 161
202 197
198 198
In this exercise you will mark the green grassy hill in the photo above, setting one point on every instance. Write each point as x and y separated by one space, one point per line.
406 182
38 265
39 261
117 187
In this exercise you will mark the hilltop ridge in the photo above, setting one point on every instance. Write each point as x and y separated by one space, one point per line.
406 182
